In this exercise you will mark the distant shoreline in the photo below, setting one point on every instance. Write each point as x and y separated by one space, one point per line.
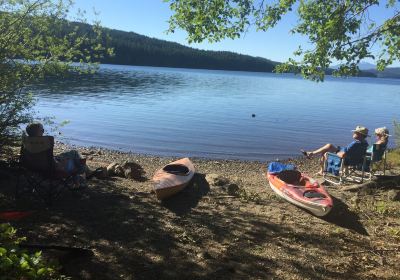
364 73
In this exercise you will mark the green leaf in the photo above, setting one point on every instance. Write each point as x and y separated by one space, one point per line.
337 30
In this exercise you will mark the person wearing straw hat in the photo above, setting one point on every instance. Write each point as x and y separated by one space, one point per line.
382 137
360 133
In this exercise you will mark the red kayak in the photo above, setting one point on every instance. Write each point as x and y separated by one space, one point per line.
301 190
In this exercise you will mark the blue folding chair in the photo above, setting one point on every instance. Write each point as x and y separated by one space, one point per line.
376 160
338 170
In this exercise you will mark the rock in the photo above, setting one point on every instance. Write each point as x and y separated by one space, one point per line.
232 189
119 171
130 164
216 180
114 169
111 168
393 195
132 170
128 173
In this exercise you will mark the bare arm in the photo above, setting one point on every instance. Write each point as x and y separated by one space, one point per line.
341 154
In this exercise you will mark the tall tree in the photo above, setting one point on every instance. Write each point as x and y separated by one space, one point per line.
36 40
338 30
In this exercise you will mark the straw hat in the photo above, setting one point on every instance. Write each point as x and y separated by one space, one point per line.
362 130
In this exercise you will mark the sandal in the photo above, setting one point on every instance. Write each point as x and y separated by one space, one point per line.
306 154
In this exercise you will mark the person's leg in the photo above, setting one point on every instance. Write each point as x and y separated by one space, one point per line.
328 148
79 177
74 156
80 163
322 161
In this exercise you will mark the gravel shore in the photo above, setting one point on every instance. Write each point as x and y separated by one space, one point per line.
250 173
205 233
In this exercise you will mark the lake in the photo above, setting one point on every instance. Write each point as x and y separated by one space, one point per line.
207 113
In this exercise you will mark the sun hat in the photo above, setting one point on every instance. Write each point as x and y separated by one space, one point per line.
382 131
362 130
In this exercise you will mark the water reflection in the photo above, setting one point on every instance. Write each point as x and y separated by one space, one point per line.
208 113
108 83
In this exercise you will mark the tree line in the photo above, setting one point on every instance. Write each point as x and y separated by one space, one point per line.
134 49
131 48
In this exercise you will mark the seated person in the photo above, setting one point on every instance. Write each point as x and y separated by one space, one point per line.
69 162
359 135
382 138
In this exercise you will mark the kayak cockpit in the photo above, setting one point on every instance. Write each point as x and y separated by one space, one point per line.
297 179
292 177
177 169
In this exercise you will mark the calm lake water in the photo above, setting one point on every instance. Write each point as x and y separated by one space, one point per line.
205 113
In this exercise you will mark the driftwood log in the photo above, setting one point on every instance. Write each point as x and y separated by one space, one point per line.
378 182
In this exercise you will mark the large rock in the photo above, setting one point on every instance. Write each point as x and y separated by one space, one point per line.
216 180
133 170
114 169
111 168
130 170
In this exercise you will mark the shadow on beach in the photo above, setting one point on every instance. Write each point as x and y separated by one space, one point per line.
188 199
341 216
197 234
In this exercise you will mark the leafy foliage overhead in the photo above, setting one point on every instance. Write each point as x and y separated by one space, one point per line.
339 30
36 40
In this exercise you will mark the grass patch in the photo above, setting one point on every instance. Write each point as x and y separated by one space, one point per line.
248 196
385 208
337 232
382 207
393 158
394 232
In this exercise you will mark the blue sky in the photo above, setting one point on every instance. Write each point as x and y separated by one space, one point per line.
149 17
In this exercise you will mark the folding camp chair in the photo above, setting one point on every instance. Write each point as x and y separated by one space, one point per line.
338 170
376 160
37 167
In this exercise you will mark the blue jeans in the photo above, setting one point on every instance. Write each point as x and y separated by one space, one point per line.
73 162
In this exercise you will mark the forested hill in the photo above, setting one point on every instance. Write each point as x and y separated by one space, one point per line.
133 49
